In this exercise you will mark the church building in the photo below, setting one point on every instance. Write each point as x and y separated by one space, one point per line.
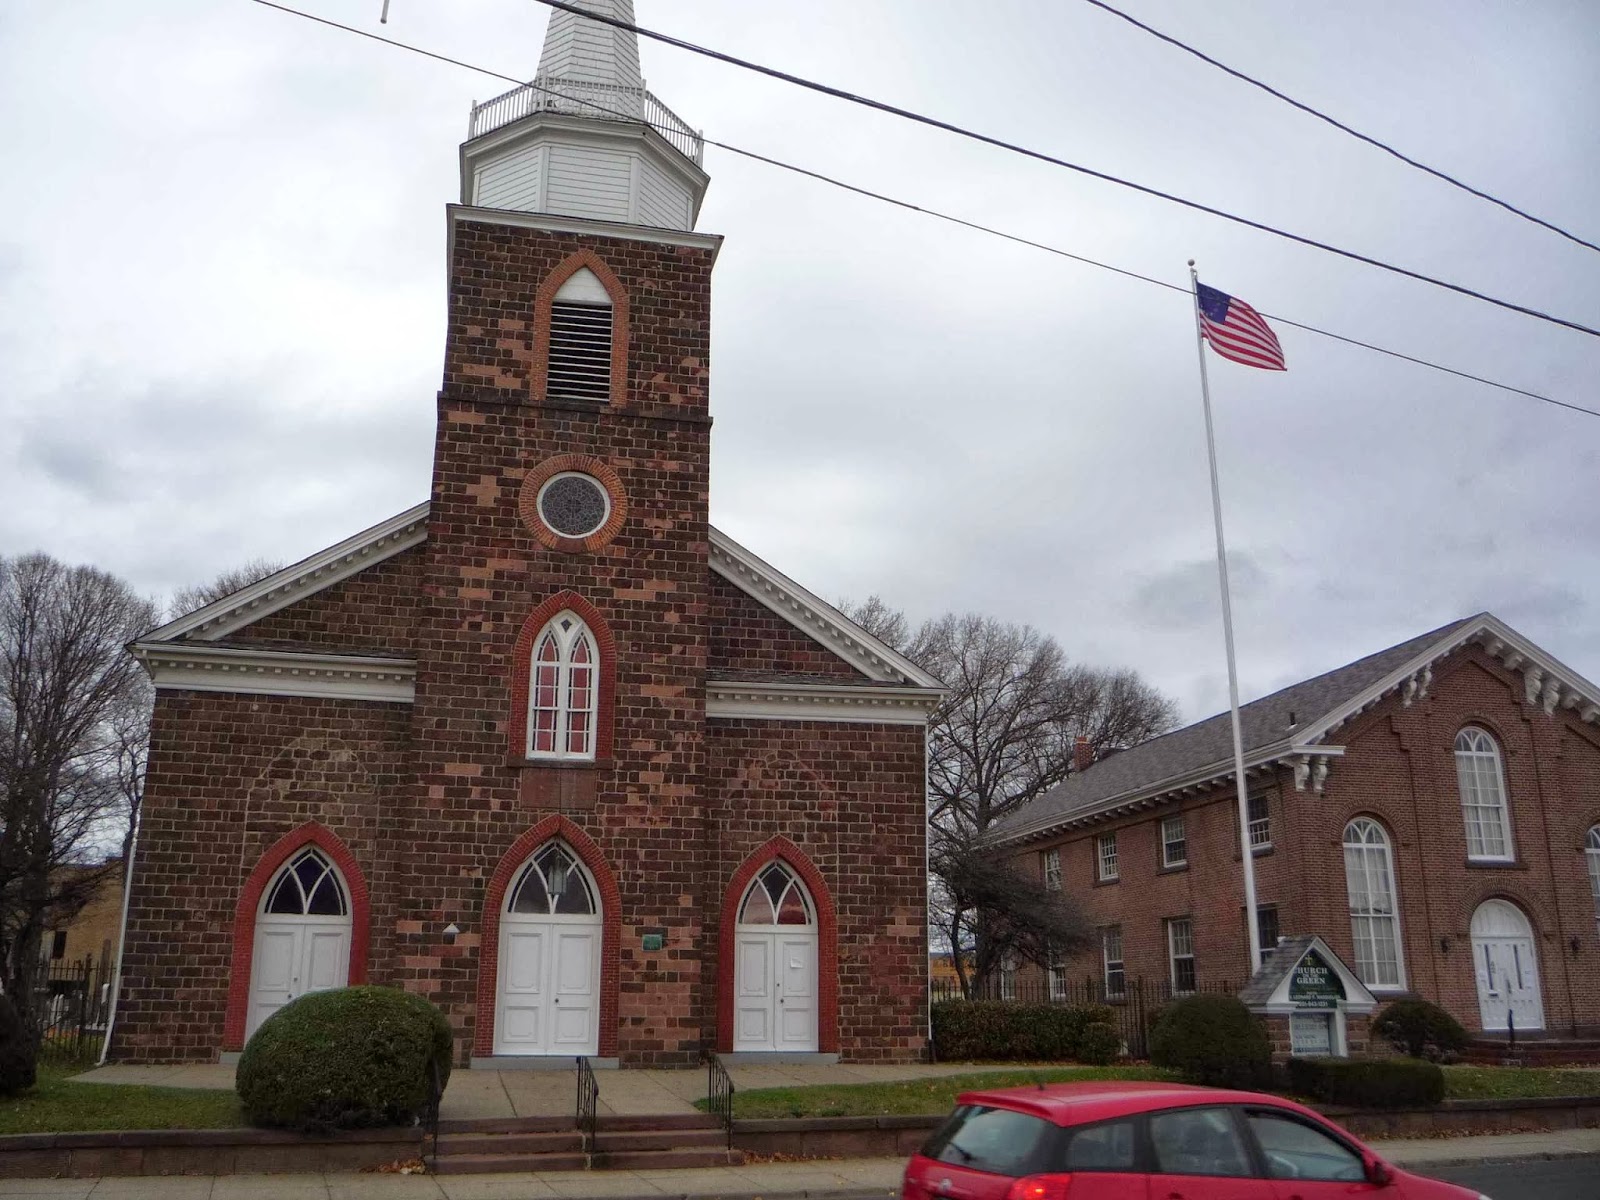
548 748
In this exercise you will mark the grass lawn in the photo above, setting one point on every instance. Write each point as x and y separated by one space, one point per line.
56 1106
1503 1083
911 1096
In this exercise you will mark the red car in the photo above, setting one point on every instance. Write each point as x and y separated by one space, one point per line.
1150 1141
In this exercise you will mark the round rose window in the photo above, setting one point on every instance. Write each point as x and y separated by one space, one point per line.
573 504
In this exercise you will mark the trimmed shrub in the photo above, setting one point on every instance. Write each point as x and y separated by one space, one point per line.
344 1059
997 1031
1420 1029
1214 1040
19 1058
1368 1082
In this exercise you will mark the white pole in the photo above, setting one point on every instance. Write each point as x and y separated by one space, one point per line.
1245 856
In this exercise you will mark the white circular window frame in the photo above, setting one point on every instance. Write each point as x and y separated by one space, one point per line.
605 514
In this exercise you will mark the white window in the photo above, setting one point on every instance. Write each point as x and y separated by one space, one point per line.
1483 795
1052 870
1260 822
1106 855
563 690
1116 978
1592 853
1008 976
1267 930
1180 950
1058 977
580 340
1374 914
1174 848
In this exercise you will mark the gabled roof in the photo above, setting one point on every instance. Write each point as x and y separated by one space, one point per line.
1291 724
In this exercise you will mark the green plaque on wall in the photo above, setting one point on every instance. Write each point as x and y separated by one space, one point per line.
654 941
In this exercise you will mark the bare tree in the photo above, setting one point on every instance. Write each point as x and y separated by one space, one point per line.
187 599
69 696
1005 735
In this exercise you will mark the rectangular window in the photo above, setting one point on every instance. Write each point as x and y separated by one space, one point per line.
1267 929
1180 950
1008 977
1116 978
58 944
1174 848
1052 870
1260 822
1058 978
1106 855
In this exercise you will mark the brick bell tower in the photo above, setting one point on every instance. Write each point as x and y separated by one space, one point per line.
567 552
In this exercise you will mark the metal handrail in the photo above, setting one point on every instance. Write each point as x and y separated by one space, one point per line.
430 1126
588 1104
719 1093
586 98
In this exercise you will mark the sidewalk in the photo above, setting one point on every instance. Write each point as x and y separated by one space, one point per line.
833 1179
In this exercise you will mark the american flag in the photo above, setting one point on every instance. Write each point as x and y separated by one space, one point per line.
1236 331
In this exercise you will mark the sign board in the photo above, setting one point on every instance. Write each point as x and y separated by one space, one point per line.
1315 984
654 941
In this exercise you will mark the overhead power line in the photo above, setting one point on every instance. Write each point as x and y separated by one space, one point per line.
917 208
1340 125
1041 156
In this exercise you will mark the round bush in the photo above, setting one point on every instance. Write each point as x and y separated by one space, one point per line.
344 1059
1420 1029
19 1059
1212 1040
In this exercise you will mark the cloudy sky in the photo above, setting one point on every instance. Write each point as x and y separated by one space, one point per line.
222 301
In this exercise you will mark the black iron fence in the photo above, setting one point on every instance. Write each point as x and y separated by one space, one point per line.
71 1004
719 1093
1135 1004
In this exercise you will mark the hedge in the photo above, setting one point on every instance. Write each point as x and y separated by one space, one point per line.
1368 1082
1212 1040
1420 1029
997 1031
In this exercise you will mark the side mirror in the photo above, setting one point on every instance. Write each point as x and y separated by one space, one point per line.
1378 1172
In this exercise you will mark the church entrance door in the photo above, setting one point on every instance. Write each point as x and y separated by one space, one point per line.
302 936
775 971
1507 968
549 969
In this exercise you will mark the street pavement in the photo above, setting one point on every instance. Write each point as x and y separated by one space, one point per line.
1549 1179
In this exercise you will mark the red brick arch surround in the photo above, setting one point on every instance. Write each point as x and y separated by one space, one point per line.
545 297
522 664
827 942
312 833
584 846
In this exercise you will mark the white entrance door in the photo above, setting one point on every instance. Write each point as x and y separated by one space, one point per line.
550 960
775 966
1507 968
302 936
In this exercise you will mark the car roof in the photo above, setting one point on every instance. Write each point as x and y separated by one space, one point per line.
1079 1103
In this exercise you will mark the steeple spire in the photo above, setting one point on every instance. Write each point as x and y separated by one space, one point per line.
590 51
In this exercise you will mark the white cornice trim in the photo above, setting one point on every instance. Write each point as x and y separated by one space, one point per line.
197 667
554 224
310 575
819 702
814 617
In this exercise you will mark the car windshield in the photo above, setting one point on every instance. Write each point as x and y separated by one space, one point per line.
996 1140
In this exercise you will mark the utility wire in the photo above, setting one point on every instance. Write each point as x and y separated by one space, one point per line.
1340 125
935 123
917 208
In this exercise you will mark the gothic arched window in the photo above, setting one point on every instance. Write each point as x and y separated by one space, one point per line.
1374 914
307 886
563 690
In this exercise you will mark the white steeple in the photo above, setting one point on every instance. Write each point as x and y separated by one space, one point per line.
585 139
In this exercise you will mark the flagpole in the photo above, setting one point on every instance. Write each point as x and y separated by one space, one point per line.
1245 854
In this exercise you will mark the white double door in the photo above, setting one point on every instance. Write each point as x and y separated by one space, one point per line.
549 985
1507 967
293 956
775 982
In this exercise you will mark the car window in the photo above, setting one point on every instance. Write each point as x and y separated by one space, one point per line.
993 1139
1107 1147
1198 1141
1297 1150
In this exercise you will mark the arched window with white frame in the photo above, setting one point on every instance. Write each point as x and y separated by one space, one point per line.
1374 911
563 690
1483 795
1591 852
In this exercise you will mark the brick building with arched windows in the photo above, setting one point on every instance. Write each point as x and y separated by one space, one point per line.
1432 812
547 748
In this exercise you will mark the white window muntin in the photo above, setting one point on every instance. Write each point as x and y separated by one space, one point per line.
1113 965
1374 906
1174 846
1106 856
1260 821
1591 852
1052 870
1057 974
563 690
1180 955
1483 796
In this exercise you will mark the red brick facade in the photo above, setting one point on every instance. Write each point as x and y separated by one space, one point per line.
433 802
1398 768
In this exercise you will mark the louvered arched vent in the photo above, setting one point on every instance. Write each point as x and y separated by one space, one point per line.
581 332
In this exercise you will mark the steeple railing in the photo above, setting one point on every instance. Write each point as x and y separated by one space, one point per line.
585 98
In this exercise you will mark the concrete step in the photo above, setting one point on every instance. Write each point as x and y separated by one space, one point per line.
485 1164
506 1125
553 1142
649 1160
608 1122
612 1140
